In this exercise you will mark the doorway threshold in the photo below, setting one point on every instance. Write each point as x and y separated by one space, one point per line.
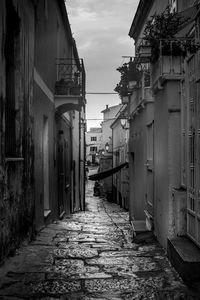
139 226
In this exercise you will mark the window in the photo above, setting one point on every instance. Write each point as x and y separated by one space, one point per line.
12 58
93 138
93 149
173 6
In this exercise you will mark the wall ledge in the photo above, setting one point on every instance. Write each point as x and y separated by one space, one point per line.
185 257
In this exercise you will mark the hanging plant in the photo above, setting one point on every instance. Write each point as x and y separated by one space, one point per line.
129 72
160 32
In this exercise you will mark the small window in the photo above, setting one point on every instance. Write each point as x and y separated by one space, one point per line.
93 138
93 149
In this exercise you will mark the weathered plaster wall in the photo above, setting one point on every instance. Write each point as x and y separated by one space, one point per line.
167 157
137 149
16 176
52 42
43 108
121 178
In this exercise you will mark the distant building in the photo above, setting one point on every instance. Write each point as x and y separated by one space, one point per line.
109 115
93 144
120 138
106 159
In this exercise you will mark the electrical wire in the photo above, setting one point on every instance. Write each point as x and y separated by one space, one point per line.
99 93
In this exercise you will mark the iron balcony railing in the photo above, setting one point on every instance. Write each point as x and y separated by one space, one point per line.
70 77
169 59
166 56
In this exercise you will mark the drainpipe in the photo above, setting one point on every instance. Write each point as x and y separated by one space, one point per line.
84 159
112 163
79 160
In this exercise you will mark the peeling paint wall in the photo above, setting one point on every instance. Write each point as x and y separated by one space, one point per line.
167 157
52 43
121 178
16 173
30 126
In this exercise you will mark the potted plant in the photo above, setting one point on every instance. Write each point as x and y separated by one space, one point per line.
144 51
129 73
160 34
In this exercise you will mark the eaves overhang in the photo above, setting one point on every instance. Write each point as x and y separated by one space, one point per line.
66 23
140 17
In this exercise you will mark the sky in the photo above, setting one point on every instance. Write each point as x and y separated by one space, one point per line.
100 29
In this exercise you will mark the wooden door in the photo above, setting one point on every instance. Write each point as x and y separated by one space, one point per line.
149 169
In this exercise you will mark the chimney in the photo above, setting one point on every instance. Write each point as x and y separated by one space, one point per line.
106 106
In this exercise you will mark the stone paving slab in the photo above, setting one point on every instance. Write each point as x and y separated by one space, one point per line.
92 255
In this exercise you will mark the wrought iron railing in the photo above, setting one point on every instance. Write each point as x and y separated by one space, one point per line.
169 59
70 77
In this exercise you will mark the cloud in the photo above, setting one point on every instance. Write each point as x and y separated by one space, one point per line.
100 29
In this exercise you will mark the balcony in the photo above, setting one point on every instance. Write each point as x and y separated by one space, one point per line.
70 85
143 52
143 94
168 61
167 67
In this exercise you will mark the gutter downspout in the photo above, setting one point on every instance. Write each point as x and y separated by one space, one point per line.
79 160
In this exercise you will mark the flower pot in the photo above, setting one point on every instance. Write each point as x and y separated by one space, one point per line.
144 51
132 85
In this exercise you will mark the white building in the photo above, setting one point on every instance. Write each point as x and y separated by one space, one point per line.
93 144
109 115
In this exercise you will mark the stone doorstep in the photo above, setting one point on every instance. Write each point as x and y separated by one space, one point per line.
139 226
185 257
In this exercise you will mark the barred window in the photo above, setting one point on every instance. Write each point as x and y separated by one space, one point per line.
93 138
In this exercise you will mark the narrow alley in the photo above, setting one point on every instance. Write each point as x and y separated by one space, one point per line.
91 255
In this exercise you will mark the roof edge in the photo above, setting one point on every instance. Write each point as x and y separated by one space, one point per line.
139 18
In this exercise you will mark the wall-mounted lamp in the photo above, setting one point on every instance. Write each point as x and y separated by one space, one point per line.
107 146
123 122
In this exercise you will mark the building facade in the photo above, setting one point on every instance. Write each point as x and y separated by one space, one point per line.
106 158
41 105
109 115
93 144
164 131
120 138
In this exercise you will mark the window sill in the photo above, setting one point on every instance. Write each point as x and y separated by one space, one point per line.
14 159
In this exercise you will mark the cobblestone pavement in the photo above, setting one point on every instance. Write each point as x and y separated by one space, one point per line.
91 255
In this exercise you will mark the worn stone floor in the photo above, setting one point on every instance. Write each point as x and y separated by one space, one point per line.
91 255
